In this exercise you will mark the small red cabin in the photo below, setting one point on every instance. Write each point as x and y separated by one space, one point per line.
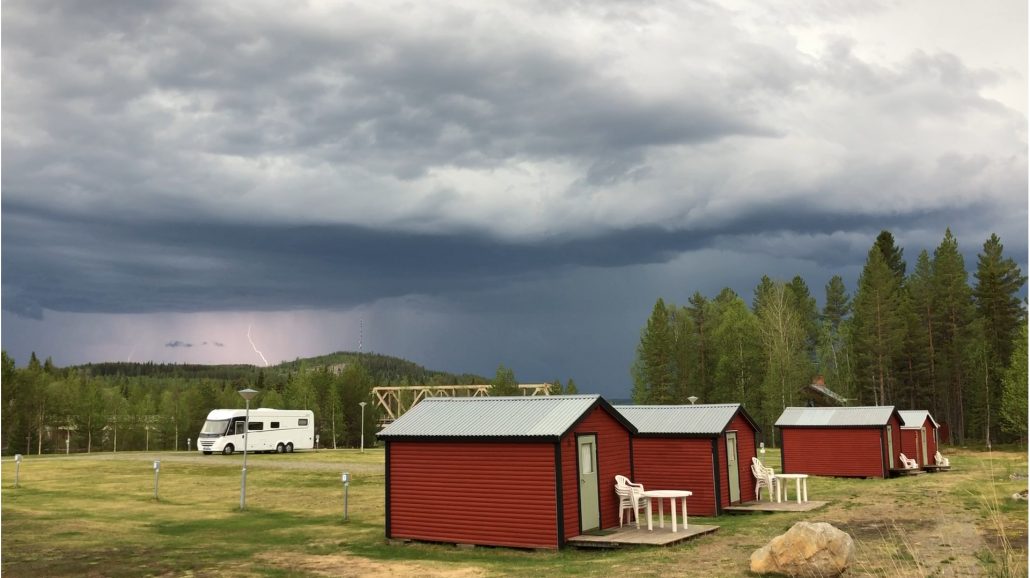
525 472
706 449
919 436
859 442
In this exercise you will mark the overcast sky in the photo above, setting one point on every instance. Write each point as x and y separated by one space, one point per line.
480 182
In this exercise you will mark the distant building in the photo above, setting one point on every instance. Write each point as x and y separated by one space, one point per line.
817 394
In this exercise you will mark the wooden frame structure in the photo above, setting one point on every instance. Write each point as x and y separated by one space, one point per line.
393 402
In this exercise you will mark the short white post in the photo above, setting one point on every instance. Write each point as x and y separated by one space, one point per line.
17 468
346 488
157 472
362 404
187 444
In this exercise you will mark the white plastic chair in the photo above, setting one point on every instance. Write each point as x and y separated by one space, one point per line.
764 478
941 460
909 464
631 497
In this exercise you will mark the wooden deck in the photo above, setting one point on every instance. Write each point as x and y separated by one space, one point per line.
630 535
933 469
784 506
895 472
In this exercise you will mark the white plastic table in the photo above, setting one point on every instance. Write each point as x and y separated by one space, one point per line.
670 495
800 487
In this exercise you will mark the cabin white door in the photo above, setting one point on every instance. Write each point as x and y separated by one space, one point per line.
589 507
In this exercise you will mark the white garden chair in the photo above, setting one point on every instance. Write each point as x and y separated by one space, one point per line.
909 464
631 497
764 478
941 460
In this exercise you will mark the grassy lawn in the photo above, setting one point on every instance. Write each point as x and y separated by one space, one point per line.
95 515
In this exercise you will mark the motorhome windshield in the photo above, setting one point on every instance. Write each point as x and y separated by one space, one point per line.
214 426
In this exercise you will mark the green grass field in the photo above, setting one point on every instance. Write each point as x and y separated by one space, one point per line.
96 515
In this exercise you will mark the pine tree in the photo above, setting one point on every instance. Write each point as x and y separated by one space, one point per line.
504 382
653 370
765 286
953 300
685 353
570 387
808 313
877 327
922 334
832 349
699 314
996 295
893 255
838 303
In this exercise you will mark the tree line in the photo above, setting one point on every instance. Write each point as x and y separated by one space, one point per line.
138 406
929 338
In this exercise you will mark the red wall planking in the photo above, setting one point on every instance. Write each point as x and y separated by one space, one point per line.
500 494
612 460
847 452
677 464
745 451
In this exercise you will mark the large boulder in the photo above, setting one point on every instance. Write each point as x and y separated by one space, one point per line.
807 549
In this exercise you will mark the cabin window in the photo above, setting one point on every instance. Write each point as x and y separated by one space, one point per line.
302 421
275 425
256 426
586 458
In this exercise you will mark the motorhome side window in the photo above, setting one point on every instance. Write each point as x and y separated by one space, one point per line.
302 421
256 425
275 425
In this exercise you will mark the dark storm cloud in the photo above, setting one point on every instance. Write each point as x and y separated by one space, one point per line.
53 261
180 157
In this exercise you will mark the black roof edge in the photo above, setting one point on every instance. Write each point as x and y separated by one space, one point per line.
601 401
747 416
700 436
831 426
510 439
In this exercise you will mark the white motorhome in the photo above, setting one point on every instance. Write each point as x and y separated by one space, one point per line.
271 430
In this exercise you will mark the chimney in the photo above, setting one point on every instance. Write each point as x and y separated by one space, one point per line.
818 380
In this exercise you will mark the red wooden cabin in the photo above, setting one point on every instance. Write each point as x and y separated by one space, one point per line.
527 472
919 436
706 449
859 442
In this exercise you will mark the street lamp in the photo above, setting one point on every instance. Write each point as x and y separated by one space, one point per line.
247 394
692 399
362 404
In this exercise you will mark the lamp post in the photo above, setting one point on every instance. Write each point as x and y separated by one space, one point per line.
692 399
362 404
17 468
247 394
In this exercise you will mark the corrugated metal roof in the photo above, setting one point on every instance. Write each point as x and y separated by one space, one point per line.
529 416
916 417
707 419
835 416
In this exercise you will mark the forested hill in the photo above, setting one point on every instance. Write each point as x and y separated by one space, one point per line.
383 369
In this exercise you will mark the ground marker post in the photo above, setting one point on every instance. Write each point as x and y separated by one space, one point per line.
17 468
157 472
346 488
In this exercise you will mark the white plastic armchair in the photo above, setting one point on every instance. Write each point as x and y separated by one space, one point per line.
764 478
631 497
908 463
941 460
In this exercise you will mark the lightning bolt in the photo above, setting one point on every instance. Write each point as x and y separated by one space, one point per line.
255 346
